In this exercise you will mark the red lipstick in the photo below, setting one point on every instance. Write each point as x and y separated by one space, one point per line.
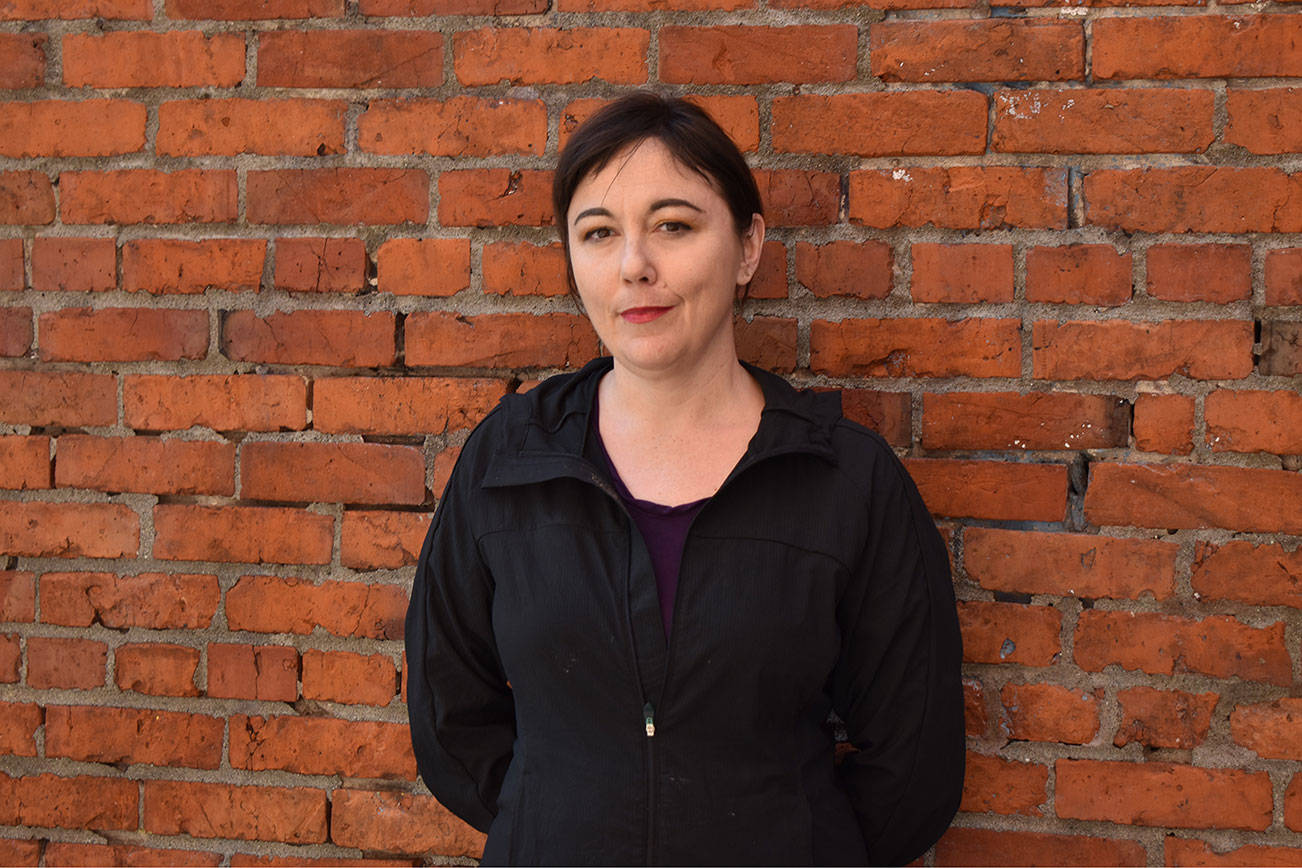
638 315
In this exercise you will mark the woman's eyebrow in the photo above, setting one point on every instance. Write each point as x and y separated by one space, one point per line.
591 212
655 206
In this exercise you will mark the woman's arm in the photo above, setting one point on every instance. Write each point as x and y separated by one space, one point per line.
458 701
897 684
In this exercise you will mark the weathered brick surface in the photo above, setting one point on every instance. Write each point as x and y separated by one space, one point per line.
350 58
333 472
132 735
74 664
56 128
248 534
77 802
1009 633
267 672
225 403
427 266
1048 712
1078 274
409 405
407 823
999 786
1164 718
149 196
1111 121
179 58
320 265
155 601
310 337
982 50
962 197
165 265
146 464
122 334
977 347
322 745
499 340
989 489
235 126
550 56
380 540
1078 565
295 815
995 847
1038 420
266 604
69 530
156 668
1215 350
1163 794
881 124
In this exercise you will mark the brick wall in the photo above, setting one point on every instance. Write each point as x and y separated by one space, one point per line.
263 263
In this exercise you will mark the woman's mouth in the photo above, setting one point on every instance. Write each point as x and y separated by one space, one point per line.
638 315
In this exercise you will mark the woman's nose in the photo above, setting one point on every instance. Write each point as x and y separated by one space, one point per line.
635 265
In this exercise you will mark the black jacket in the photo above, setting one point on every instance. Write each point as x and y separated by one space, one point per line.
813 581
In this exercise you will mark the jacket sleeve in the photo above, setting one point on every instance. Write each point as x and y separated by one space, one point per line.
458 701
897 685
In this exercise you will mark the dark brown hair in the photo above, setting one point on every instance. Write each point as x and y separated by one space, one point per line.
686 131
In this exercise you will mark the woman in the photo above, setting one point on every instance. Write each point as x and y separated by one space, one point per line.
649 582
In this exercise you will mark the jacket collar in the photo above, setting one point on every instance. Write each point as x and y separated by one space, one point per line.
546 430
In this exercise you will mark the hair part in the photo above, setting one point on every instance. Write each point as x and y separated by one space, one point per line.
686 130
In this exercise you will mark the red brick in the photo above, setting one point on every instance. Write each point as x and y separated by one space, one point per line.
650 5
1265 121
1120 350
975 720
527 55
146 464
421 8
999 786
461 126
881 124
340 196
402 822
94 855
1262 575
24 462
295 815
352 679
757 55
320 264
975 347
300 127
1281 349
69 530
1189 851
80 802
425 266
1162 794
11 659
63 398
240 534
154 601
1219 645
962 273
1194 199
13 276
157 669
27 197
442 470
18 724
1200 46
133 735
1103 121
74 264
768 342
15 331
991 489
1037 420
1284 276
861 269
523 269
1164 423
405 405
499 340
1252 421
265 604
235 402
1184 496
332 472
18 10
1049 712
960 197
1009 633
322 745
1079 565
495 197
770 278
310 337
14 851
172 265
997 847
22 59
992 49
738 116
1078 274
244 10
61 128
350 58
76 664
118 334
17 596
1270 729
382 540
266 672
798 198
1219 273
149 196
177 58
1164 718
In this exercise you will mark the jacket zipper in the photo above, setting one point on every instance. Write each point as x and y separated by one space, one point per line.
649 713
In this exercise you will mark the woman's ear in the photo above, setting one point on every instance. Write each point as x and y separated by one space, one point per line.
752 245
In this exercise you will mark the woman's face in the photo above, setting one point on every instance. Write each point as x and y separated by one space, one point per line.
657 260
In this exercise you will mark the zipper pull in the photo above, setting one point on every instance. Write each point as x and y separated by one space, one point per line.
649 712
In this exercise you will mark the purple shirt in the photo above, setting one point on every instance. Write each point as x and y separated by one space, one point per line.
663 528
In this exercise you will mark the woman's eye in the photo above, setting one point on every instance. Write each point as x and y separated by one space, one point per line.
673 226
597 233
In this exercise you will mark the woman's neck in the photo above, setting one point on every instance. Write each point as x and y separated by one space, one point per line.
706 396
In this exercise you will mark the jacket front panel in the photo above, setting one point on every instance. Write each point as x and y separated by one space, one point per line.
739 769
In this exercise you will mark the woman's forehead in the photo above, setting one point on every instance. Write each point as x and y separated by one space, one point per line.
646 170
